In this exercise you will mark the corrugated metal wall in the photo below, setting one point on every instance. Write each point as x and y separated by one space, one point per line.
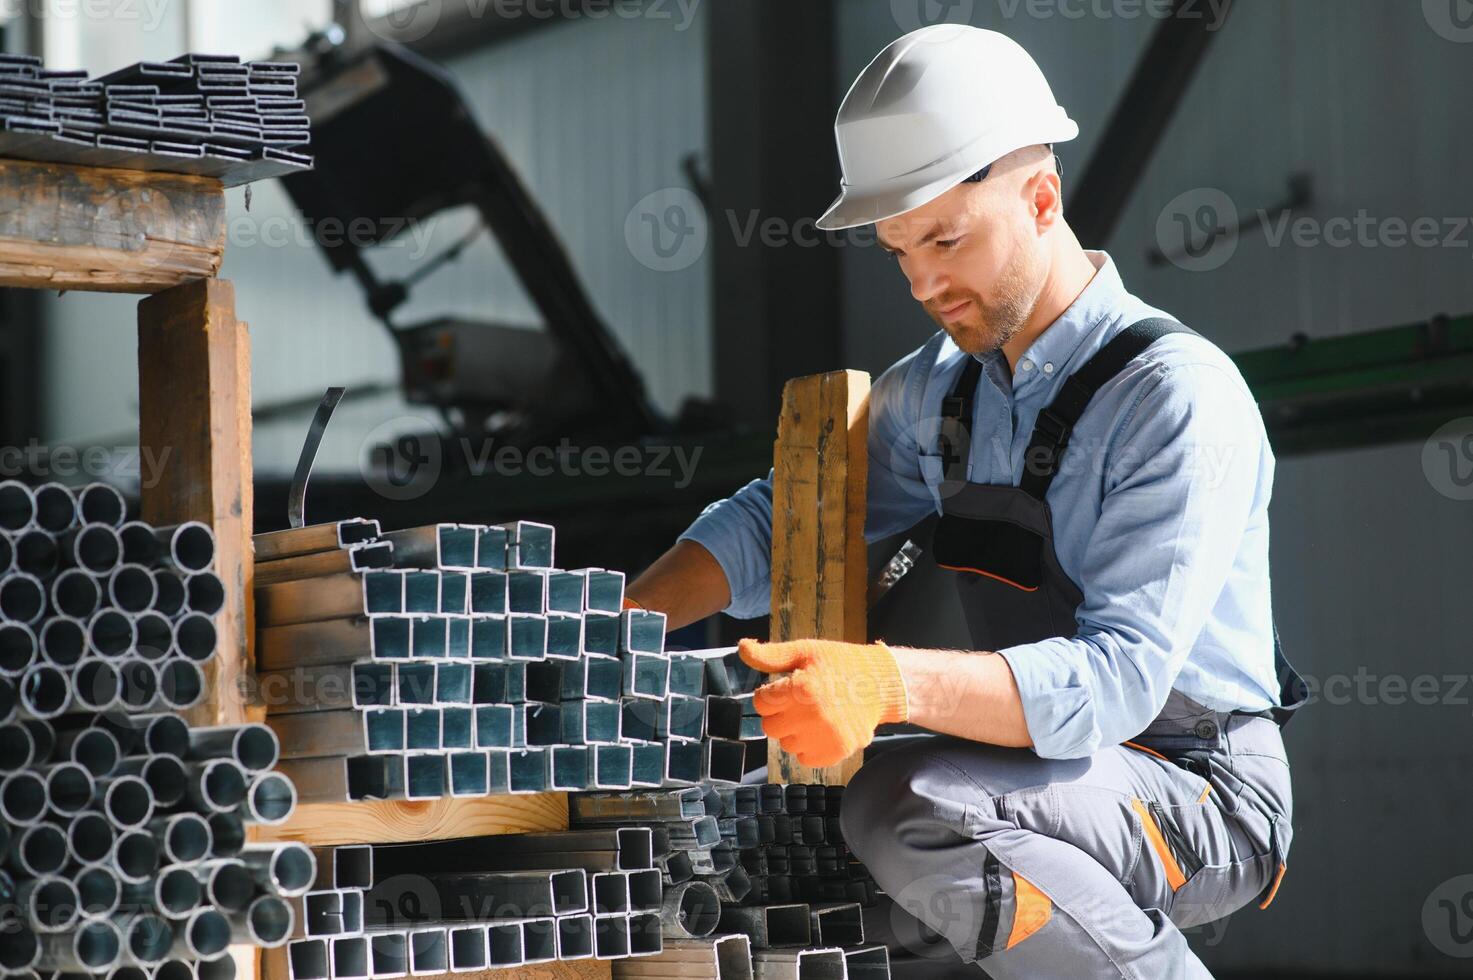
595 114
1371 564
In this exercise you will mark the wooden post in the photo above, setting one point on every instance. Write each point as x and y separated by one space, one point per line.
820 474
194 416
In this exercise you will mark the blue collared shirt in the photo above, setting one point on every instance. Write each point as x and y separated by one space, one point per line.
1160 516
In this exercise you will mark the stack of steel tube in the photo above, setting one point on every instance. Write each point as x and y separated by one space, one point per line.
482 903
122 829
456 660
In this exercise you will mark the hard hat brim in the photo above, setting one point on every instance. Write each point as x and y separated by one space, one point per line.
856 206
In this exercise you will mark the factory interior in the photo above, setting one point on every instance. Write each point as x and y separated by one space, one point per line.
363 361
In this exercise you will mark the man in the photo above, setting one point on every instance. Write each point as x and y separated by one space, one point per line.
1110 769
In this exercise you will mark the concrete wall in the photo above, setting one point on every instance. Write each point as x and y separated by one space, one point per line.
1370 561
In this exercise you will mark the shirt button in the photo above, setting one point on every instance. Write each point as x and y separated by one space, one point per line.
1048 367
1025 365
1206 730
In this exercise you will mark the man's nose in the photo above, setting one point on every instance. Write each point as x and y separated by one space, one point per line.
926 282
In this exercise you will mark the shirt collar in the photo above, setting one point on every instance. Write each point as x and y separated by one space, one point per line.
1049 355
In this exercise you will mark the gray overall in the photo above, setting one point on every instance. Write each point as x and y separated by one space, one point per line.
1076 868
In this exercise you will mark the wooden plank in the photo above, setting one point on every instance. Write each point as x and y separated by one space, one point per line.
820 476
399 821
64 226
194 414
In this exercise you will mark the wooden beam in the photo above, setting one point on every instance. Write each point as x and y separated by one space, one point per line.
64 226
820 475
194 414
400 821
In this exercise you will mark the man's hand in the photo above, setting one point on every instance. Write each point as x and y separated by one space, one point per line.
830 705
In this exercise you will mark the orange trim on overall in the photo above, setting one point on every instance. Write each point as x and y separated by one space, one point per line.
1031 910
978 571
1274 891
1206 792
1142 748
1174 876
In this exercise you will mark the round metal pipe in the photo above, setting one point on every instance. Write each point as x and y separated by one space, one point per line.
45 738
173 969
140 683
17 748
140 546
184 837
228 884
253 747
22 798
180 684
93 547
202 936
63 641
76 593
9 702
287 870
111 633
222 968
39 850
36 553
147 938
216 786
204 593
69 788
94 948
18 649
270 799
131 588
56 508
169 599
97 685
268 922
165 775
22 598
155 635
20 950
227 834
94 749
164 734
50 904
135 856
90 838
17 506
45 692
177 891
126 971
99 503
7 553
126 800
195 637
190 546
98 890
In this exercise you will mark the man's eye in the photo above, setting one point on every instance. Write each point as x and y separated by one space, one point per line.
947 242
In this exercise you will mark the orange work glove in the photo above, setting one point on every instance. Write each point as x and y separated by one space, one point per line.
836 696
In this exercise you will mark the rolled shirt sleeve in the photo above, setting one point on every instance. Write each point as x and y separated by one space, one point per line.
737 531
1181 489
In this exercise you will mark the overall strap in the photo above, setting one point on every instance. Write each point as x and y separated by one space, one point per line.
1056 422
955 437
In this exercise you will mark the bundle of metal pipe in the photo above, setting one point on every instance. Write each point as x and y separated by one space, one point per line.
479 903
457 660
122 828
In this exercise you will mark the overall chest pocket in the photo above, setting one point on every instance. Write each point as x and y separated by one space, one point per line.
1001 550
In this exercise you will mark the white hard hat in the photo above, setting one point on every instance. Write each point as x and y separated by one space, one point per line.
933 108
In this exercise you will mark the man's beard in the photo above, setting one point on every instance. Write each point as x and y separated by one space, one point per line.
987 326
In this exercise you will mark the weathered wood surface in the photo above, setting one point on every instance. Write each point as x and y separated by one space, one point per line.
64 226
393 821
819 572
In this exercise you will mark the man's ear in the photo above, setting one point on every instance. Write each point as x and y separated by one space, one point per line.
1046 197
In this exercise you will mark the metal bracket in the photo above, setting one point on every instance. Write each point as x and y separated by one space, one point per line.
296 505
